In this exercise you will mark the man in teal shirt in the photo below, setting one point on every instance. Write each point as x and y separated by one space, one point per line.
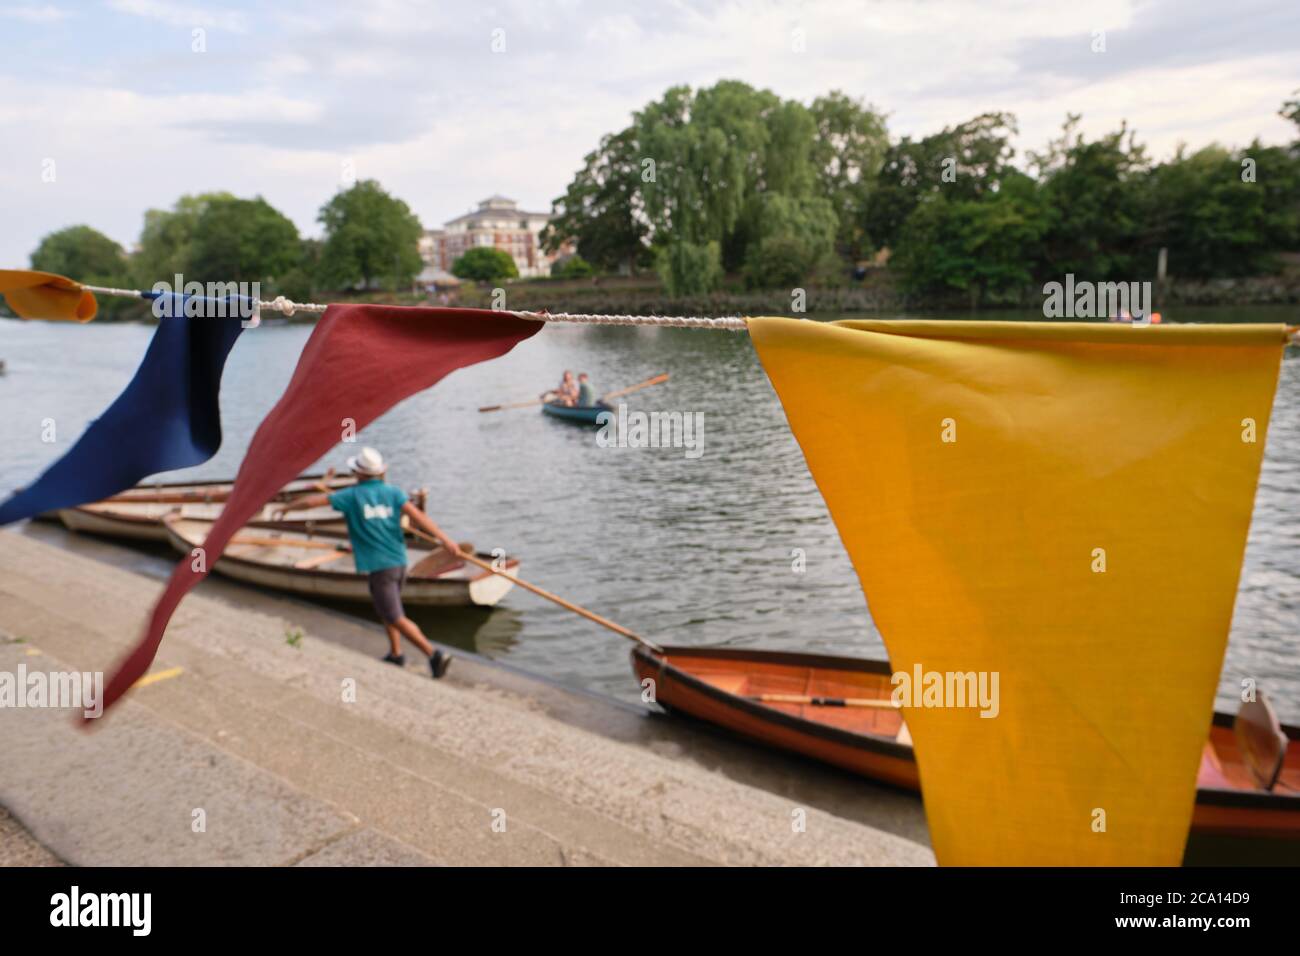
586 394
373 511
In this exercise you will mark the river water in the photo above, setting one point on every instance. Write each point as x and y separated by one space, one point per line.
686 550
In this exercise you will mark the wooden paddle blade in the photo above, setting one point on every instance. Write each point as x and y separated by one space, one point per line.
657 380
1261 740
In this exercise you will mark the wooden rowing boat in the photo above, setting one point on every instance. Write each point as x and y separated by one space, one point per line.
136 514
321 565
578 414
142 520
725 686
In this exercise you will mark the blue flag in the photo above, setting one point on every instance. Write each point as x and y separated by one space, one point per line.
166 418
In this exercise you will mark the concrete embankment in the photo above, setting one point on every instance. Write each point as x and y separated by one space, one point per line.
246 748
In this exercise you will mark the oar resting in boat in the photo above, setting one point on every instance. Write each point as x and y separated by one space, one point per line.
373 510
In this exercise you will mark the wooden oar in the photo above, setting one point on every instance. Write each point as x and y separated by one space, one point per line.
287 542
657 380
497 408
555 598
882 703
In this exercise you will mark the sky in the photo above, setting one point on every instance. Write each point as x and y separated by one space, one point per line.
112 107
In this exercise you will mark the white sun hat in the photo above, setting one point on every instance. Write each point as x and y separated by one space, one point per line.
369 462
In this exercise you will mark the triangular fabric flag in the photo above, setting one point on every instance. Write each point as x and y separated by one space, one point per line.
166 418
360 361
44 295
1064 506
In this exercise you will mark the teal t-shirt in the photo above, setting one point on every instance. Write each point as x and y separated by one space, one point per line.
373 511
586 394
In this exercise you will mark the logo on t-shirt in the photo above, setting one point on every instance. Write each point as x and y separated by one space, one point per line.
376 511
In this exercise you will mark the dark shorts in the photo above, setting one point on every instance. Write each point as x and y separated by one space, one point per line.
386 591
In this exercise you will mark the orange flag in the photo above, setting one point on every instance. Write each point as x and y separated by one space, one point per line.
44 295
1048 521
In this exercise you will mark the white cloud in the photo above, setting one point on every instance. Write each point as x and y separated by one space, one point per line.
183 14
34 13
412 94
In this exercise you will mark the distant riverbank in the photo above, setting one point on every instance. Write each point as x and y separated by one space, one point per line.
643 294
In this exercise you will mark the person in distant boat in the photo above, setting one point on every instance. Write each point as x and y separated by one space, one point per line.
566 394
373 510
586 394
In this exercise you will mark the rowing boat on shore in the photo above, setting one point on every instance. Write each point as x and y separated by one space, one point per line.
137 513
578 414
321 565
822 707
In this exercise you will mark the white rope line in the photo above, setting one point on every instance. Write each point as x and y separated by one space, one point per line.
289 307
729 323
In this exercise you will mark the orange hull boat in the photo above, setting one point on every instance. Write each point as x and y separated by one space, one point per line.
721 686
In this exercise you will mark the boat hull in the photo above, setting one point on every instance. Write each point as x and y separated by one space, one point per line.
705 682
461 586
113 524
579 415
137 513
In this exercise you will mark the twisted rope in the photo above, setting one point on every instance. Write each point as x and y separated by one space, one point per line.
289 307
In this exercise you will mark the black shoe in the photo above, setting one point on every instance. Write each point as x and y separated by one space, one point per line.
391 658
439 663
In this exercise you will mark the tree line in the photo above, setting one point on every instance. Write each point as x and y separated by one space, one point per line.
732 184
369 237
730 180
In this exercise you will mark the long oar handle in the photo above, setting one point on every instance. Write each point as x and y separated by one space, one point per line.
497 408
657 380
541 592
882 703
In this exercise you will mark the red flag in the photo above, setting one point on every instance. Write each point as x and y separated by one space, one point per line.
360 361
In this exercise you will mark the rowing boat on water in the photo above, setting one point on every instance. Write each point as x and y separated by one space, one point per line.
727 687
579 414
137 513
321 565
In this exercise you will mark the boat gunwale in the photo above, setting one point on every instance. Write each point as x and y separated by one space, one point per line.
858 741
176 539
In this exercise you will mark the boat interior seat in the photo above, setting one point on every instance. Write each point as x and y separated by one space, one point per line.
731 683
1261 741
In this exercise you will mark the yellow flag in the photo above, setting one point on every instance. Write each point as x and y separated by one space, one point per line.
44 295
1059 510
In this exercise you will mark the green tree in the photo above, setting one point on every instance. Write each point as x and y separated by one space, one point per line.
1093 197
961 162
242 240
368 234
572 267
797 240
84 254
600 210
485 264
1291 109
848 153
1222 213
717 154
981 247
164 247
689 268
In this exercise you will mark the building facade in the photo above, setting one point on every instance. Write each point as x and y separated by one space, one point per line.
498 222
